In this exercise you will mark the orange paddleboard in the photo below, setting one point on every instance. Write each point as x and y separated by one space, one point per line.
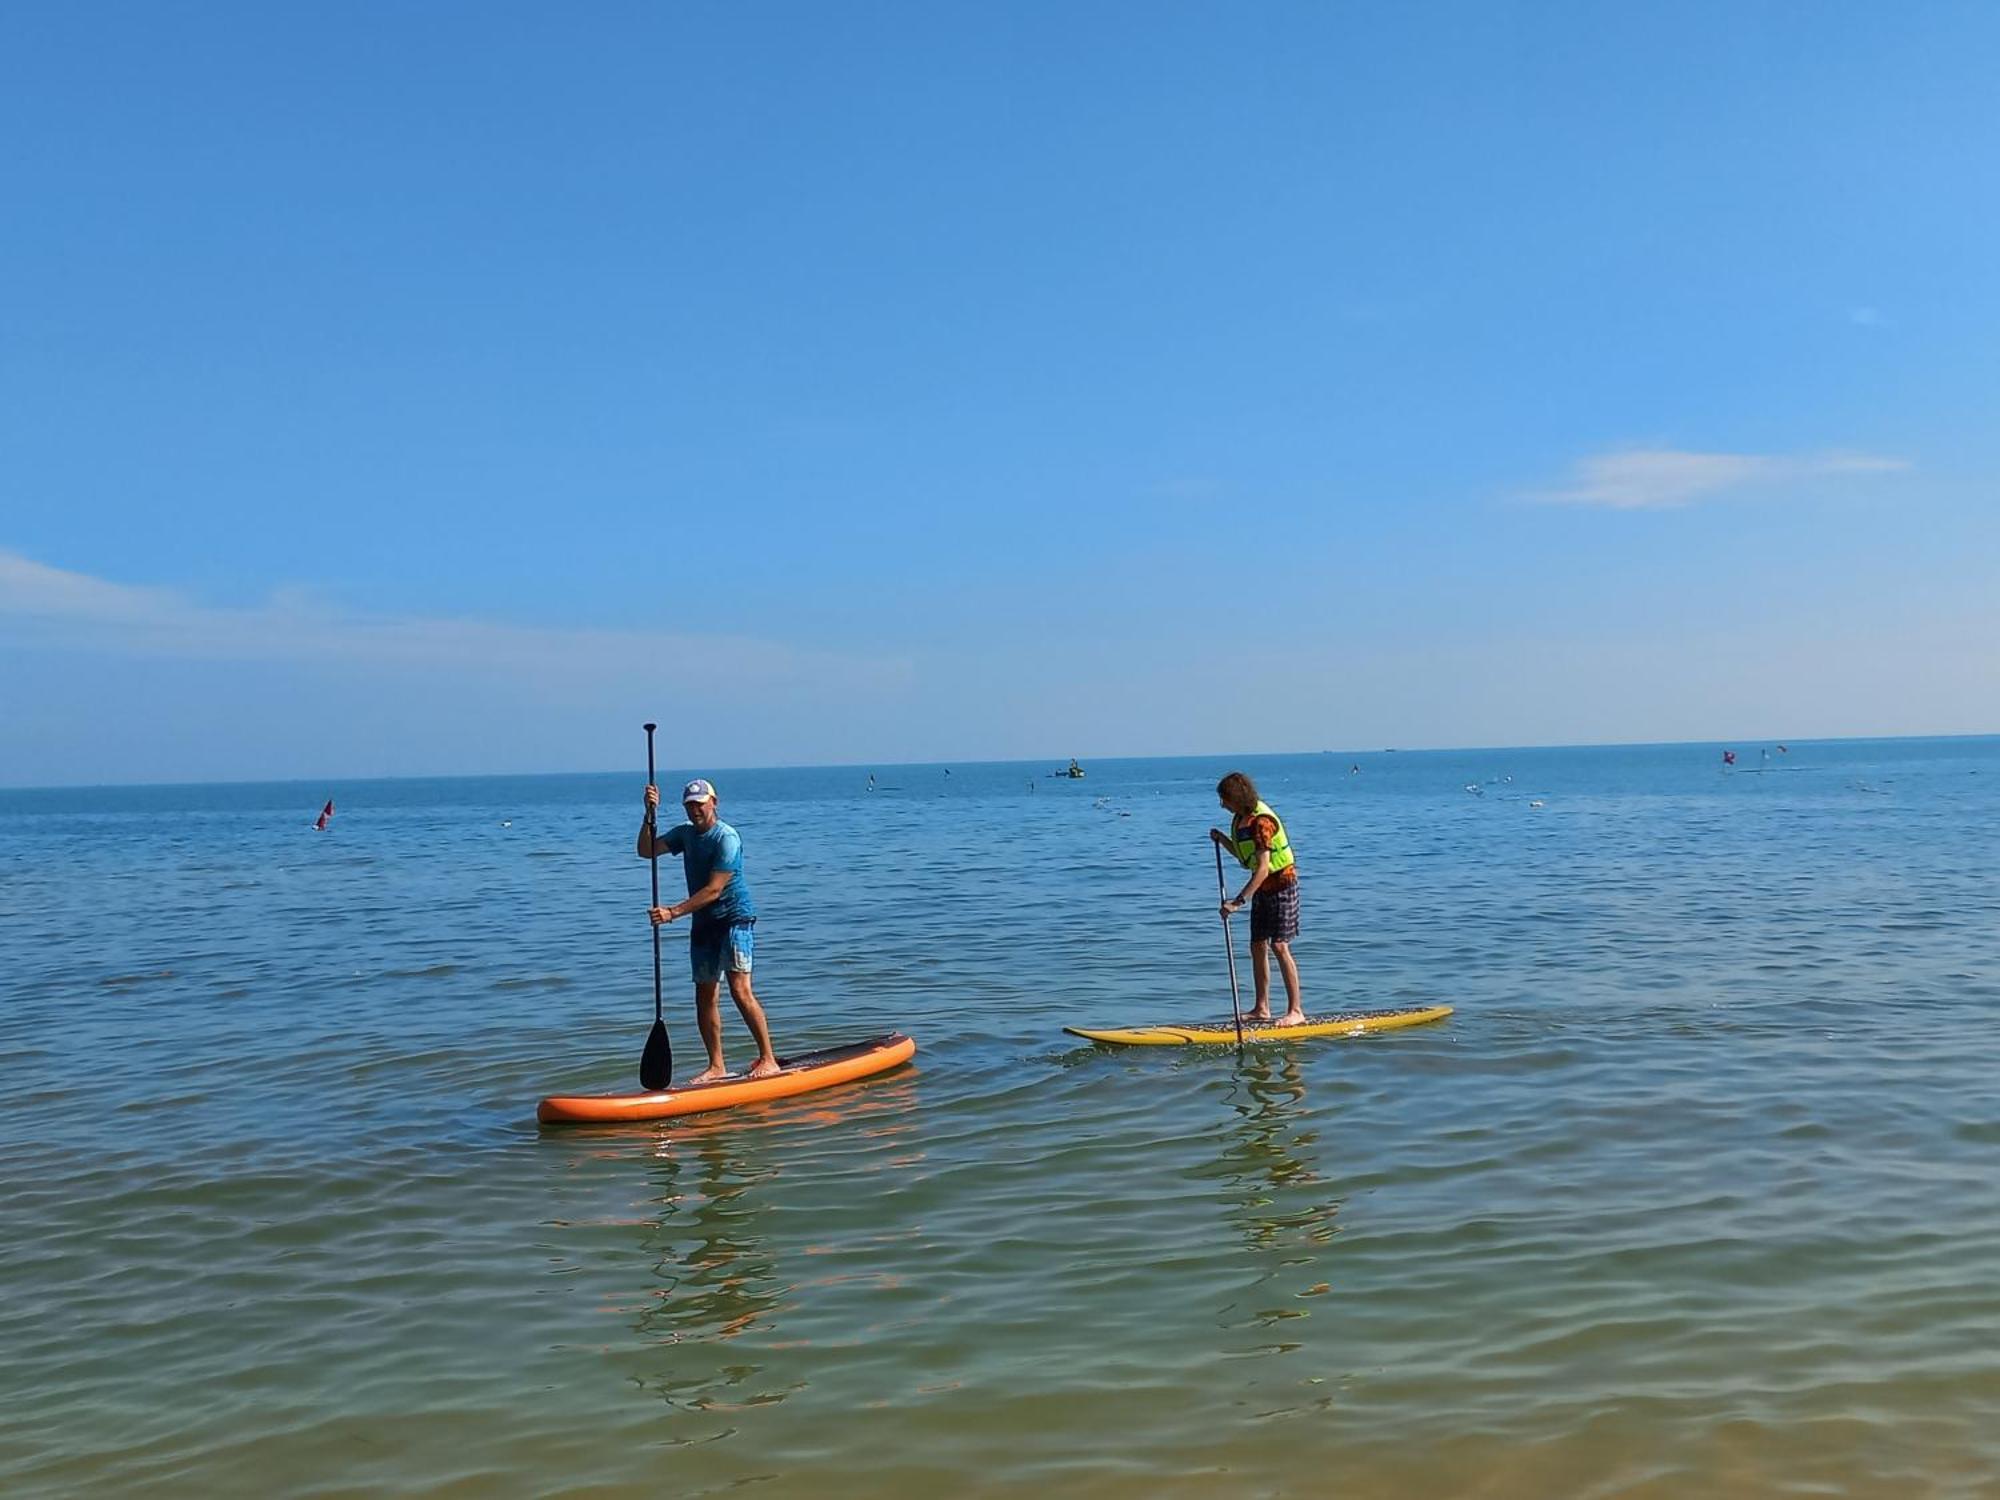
796 1075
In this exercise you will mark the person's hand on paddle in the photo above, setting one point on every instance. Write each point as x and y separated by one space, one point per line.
1231 907
662 915
1217 836
652 795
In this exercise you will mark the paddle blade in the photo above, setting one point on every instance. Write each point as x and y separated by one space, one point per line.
656 1063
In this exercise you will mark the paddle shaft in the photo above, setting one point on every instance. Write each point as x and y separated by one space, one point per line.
1229 948
656 1063
653 864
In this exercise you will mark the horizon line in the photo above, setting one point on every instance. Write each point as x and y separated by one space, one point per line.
323 781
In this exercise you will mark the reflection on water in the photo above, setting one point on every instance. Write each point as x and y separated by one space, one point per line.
1280 1205
691 1271
714 1276
714 1291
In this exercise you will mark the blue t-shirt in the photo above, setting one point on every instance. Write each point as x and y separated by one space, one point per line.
702 854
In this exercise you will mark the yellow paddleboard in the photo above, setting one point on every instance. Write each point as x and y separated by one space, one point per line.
1354 1023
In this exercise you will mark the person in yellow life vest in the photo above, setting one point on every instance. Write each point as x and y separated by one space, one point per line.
1257 838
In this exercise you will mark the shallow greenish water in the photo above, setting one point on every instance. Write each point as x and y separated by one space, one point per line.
1695 1194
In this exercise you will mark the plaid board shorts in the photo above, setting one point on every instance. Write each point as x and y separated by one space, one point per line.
1274 914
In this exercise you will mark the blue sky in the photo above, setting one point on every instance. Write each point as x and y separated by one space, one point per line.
425 389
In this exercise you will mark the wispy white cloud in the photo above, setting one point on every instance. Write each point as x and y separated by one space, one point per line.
1668 478
52 606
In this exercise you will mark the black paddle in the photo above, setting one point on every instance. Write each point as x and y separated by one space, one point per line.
1229 947
656 1063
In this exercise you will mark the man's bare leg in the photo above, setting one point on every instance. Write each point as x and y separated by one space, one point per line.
708 1016
753 1017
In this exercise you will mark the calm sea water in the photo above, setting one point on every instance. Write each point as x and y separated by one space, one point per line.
1696 1194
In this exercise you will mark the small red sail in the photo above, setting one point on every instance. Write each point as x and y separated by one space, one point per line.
325 816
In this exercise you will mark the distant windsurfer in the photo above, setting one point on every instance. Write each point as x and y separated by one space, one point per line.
1257 838
721 937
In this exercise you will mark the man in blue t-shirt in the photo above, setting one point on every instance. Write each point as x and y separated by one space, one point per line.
725 919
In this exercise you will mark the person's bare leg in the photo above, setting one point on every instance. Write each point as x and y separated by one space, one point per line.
708 1016
753 1017
1286 966
1260 973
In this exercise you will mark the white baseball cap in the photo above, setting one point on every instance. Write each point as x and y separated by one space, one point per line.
698 791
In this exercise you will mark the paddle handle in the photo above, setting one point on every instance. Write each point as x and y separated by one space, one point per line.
1229 950
653 865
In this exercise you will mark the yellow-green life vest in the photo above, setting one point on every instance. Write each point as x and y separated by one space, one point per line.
1243 841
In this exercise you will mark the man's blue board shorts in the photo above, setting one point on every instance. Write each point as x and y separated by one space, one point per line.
712 951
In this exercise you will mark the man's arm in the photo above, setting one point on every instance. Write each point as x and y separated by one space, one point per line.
662 843
708 895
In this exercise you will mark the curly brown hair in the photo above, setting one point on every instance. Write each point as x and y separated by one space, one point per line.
1238 792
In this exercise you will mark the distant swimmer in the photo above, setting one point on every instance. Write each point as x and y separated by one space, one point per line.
1257 838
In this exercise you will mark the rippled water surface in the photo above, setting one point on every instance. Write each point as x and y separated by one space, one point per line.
1695 1194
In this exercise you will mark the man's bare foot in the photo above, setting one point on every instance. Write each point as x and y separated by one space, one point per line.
766 1067
1256 1015
1291 1018
709 1074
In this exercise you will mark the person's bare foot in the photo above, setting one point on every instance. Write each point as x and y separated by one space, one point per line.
1291 1018
766 1067
709 1074
1261 1016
